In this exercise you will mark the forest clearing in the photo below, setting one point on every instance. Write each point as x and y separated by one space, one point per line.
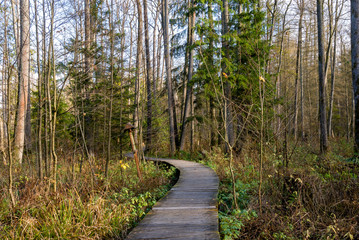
263 92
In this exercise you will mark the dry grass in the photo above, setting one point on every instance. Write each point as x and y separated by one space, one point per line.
83 207
313 198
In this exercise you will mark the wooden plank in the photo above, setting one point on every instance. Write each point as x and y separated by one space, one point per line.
188 211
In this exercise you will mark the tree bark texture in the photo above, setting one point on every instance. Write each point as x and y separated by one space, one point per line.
40 102
332 85
23 80
298 69
165 22
322 80
187 107
148 79
334 31
354 8
138 67
88 76
229 134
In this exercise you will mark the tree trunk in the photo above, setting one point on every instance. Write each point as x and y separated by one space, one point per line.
229 128
298 69
301 95
54 118
44 77
322 80
212 110
40 104
9 149
334 52
355 66
177 137
192 123
332 82
185 69
279 69
154 42
51 101
15 25
148 80
159 71
138 68
28 141
112 30
187 107
271 30
5 77
88 76
23 80
165 22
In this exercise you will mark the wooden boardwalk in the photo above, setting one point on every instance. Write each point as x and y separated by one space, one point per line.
188 211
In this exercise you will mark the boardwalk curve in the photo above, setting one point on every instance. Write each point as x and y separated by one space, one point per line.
188 211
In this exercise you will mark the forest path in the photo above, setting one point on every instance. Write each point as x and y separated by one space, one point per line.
188 211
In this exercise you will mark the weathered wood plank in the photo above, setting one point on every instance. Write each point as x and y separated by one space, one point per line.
188 211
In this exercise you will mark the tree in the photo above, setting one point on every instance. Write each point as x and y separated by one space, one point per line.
40 105
7 116
191 37
229 127
23 80
171 107
112 30
89 6
322 80
138 66
148 79
298 69
333 30
354 7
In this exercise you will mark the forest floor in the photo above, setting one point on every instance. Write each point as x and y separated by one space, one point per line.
84 206
304 195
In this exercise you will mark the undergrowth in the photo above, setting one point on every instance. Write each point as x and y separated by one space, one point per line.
310 197
85 206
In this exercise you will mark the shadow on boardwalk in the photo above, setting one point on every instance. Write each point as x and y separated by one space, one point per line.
188 211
